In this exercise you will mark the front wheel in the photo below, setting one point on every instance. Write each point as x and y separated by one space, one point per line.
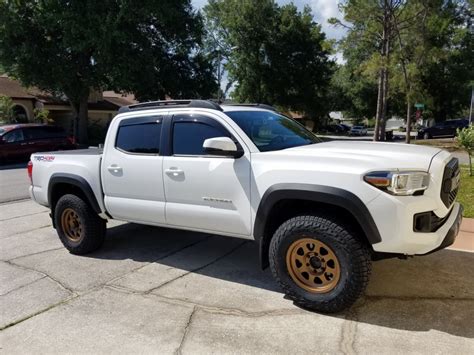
79 228
426 136
319 263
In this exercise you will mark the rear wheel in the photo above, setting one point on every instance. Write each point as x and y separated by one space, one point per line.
79 228
319 263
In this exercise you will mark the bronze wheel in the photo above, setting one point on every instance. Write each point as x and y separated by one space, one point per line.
313 265
71 225
319 262
79 227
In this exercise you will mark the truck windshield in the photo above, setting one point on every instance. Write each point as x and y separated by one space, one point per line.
271 131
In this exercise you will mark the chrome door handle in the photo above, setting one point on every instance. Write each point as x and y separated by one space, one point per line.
174 171
114 168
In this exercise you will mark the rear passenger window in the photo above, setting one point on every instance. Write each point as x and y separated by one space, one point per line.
141 138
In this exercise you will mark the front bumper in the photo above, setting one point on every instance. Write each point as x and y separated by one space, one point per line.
452 233
395 224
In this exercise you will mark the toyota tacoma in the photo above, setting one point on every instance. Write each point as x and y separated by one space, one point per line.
320 212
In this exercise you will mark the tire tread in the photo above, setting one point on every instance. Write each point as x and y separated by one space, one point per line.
95 227
360 259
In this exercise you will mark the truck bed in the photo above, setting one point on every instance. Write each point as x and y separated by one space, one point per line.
87 151
82 164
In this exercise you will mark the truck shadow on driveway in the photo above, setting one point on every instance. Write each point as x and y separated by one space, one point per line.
434 292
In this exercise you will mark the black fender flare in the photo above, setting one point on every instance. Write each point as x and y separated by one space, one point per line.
74 180
315 193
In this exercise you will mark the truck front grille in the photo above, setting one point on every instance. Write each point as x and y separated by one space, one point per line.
450 185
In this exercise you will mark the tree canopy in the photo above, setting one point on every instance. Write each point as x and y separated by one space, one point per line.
275 54
413 51
152 49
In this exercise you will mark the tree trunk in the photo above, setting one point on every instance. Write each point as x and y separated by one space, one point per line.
408 138
470 163
81 120
382 84
383 117
378 112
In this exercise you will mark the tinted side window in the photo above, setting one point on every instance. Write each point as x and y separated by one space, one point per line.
139 138
54 132
13 136
45 132
188 137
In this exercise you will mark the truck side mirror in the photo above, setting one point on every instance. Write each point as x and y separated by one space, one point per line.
223 146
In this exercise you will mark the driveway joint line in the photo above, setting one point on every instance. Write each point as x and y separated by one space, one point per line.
171 253
15 200
32 254
21 320
71 291
349 331
26 215
25 285
414 298
233 311
26 231
187 327
197 269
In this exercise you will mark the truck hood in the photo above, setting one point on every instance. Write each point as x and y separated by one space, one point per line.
369 155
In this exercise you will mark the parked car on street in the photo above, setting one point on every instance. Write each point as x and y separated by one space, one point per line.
334 128
444 129
319 212
358 131
345 127
19 141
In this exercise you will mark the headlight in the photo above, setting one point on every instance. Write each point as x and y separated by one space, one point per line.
399 183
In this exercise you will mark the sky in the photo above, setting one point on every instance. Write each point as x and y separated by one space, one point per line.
322 11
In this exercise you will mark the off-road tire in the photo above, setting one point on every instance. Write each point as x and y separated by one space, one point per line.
352 253
93 228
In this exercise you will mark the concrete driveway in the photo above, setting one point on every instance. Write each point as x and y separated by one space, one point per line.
154 290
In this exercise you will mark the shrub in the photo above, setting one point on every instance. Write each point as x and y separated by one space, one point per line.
6 110
466 141
42 116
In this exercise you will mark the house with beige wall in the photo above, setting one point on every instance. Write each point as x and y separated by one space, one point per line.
103 106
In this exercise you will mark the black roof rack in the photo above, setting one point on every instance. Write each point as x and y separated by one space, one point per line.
264 106
170 104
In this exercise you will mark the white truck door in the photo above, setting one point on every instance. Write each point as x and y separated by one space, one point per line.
132 171
203 191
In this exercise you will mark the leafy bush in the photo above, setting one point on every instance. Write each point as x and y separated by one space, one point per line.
42 116
6 110
466 141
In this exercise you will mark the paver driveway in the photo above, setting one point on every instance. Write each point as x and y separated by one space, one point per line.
167 291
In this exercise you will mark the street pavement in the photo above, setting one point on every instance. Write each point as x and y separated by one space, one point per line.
156 290
14 182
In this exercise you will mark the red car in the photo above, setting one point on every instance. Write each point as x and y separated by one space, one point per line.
19 141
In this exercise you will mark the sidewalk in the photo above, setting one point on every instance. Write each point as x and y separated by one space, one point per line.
465 239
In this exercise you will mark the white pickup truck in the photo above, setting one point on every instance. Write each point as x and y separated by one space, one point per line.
320 212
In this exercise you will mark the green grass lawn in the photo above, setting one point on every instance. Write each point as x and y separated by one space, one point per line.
448 144
466 192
